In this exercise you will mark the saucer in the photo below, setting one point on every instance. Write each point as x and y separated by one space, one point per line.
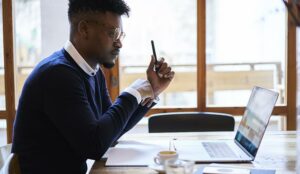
156 167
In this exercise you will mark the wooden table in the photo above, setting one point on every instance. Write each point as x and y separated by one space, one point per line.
277 151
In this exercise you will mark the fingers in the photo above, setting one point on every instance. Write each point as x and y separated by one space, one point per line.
152 63
162 68
159 63
170 75
165 71
147 102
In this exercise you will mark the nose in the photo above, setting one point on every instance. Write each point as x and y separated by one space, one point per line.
118 43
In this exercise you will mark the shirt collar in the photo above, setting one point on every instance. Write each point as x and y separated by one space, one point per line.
69 47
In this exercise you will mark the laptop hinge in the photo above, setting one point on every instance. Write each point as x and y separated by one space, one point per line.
244 150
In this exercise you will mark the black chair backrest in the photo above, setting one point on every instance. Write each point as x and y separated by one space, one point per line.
190 122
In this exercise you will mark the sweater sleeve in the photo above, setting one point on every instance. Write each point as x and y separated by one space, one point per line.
105 97
140 112
67 106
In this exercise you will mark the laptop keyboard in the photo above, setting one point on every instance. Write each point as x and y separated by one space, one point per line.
218 150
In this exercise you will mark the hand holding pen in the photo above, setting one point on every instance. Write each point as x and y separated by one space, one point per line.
159 73
161 67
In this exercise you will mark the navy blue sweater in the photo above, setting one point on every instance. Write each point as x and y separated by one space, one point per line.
65 116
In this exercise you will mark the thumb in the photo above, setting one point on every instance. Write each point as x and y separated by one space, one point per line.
152 63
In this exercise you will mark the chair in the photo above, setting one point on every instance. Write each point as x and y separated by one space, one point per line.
8 161
190 122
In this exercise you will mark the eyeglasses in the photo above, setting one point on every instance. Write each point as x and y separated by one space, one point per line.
118 35
114 33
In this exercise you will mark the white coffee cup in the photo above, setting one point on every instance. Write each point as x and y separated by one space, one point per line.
162 156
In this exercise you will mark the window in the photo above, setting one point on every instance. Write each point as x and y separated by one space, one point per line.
204 41
27 39
175 41
3 132
245 46
41 27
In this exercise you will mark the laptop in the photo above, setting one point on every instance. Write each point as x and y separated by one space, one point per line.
250 132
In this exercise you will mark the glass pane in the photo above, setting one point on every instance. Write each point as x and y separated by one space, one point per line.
175 40
2 90
276 123
245 47
3 134
37 34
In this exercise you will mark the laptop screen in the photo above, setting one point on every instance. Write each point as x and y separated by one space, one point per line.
255 119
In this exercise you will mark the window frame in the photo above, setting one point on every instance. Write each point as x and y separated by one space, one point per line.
8 53
288 110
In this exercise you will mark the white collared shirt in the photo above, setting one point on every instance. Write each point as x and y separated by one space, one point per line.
70 48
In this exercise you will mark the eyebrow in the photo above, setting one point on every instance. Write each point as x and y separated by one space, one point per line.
105 25
111 26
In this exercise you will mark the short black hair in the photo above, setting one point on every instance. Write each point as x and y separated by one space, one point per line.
82 6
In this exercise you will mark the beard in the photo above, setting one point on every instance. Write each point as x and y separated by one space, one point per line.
108 65
111 63
108 59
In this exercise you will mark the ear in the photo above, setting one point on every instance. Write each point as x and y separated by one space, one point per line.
83 29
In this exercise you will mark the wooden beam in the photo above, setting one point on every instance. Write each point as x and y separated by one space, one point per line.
115 81
278 110
201 56
8 50
112 80
3 115
164 110
291 74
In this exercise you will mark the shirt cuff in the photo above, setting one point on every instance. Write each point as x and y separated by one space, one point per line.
156 100
135 93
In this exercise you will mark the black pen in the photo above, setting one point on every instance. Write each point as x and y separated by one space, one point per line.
154 54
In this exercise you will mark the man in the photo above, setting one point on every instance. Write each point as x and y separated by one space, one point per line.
65 115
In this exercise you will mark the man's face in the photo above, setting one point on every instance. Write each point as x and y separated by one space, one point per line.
102 45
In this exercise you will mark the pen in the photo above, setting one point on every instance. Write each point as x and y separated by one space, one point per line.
154 54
